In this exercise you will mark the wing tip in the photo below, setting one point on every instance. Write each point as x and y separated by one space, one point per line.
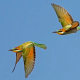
52 4
26 76
45 47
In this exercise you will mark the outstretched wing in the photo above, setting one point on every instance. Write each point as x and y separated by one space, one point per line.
63 16
18 56
29 58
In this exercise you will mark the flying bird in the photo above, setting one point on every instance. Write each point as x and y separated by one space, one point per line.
68 24
27 51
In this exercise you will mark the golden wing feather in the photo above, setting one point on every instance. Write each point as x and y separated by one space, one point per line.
63 16
29 59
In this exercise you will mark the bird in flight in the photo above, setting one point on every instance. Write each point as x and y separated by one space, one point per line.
27 51
68 24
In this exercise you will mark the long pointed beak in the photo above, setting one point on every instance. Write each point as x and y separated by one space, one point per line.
10 50
54 32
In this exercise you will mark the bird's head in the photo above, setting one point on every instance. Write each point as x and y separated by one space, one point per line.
60 31
16 49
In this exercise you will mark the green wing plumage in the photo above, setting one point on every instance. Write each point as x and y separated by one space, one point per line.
64 17
40 45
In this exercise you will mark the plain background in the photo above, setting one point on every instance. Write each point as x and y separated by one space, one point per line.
35 20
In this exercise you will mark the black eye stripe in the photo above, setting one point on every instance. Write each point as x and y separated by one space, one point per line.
60 31
15 49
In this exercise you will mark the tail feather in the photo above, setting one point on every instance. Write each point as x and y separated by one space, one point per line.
40 45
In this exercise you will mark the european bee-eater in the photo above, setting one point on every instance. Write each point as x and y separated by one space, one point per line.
69 26
27 51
